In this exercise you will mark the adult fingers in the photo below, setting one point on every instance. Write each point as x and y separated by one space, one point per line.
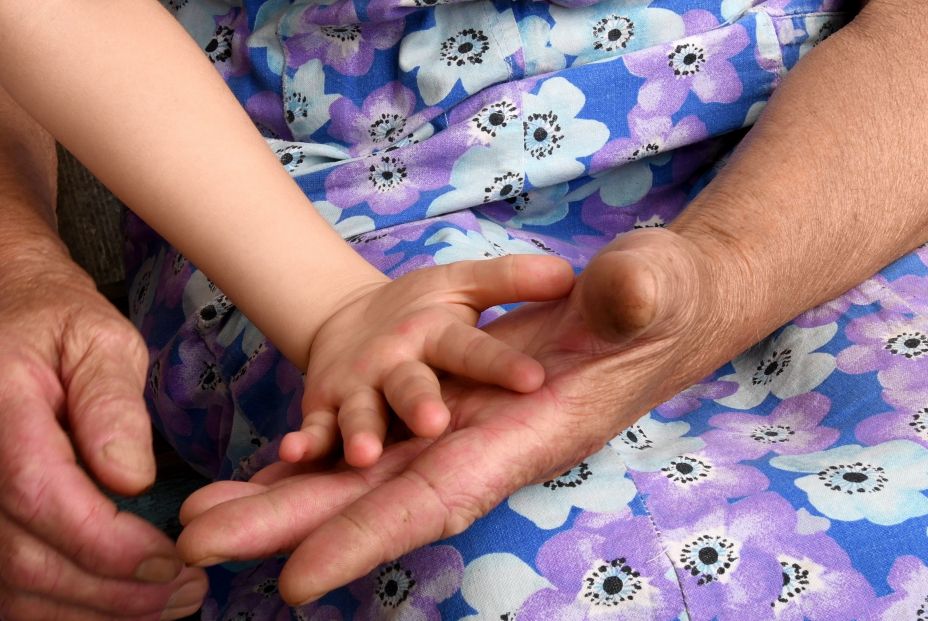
513 278
470 352
16 606
31 568
103 369
414 394
44 491
458 479
208 496
263 524
258 525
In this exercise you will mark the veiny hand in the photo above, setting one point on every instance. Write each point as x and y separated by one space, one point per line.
633 332
71 377
381 348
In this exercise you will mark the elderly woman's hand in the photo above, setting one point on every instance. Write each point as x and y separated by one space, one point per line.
343 523
71 375
72 371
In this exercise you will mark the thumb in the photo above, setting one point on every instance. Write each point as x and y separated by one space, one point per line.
645 283
104 368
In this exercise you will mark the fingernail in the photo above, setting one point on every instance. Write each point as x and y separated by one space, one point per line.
209 561
186 596
159 569
127 455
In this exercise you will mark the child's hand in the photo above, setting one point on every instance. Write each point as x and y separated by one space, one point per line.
377 351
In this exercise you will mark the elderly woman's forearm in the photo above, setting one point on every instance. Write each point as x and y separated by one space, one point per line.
28 187
830 186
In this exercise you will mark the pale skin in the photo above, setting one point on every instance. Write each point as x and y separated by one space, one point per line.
653 313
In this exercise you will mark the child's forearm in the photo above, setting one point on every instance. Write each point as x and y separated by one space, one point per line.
123 87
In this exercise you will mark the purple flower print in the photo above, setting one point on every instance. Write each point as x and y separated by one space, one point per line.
908 293
691 483
347 47
606 566
698 63
908 578
655 209
226 49
922 253
411 586
867 292
378 247
791 429
266 110
893 343
907 421
691 399
390 181
383 120
649 135
748 560
254 593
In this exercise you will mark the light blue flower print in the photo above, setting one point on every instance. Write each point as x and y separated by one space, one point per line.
199 19
882 484
620 186
470 42
648 445
537 52
484 174
819 28
496 585
306 105
611 28
733 9
300 158
491 241
786 365
539 207
597 484
265 35
553 135
348 227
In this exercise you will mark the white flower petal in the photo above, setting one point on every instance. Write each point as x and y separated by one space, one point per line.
497 584
603 488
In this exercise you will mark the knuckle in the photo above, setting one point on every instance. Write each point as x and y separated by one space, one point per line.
20 567
26 487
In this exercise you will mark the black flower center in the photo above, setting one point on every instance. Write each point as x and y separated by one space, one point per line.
708 555
496 117
612 585
856 478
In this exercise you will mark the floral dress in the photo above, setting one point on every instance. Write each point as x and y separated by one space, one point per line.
788 485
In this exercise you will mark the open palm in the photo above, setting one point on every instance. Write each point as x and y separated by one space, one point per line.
610 354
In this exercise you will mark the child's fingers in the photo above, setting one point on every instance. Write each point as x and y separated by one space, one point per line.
471 352
415 395
513 278
362 419
315 439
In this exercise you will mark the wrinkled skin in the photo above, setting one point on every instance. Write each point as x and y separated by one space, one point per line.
610 352
72 370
